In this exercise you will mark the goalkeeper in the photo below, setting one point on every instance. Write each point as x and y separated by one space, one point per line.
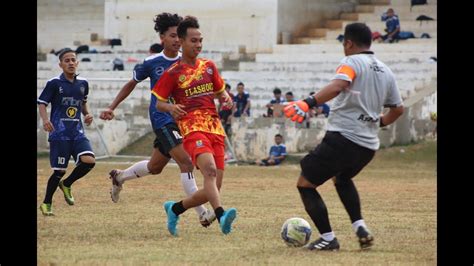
362 86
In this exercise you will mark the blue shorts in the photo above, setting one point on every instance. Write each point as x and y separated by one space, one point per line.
60 151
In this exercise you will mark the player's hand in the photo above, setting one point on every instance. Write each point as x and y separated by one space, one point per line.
296 111
107 114
48 126
177 111
88 119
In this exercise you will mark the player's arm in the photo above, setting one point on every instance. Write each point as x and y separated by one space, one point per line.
176 110
297 111
225 97
87 116
108 113
47 125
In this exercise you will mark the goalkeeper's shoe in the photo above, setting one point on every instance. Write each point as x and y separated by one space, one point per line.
366 240
207 217
172 218
226 220
296 111
322 244
67 193
46 209
116 185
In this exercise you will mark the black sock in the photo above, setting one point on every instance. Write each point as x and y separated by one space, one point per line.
316 209
178 208
81 170
219 211
350 198
53 182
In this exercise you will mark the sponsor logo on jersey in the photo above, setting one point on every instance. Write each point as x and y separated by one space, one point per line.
182 78
160 70
71 112
365 118
203 88
198 143
70 101
210 71
60 89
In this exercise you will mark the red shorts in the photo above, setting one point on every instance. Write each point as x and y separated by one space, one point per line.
198 142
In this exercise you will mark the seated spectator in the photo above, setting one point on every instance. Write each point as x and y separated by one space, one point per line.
289 97
277 99
225 112
241 102
392 24
277 153
118 64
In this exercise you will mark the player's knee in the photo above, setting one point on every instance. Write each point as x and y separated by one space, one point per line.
210 170
342 183
59 173
155 169
87 159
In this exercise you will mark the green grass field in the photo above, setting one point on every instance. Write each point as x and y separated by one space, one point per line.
397 190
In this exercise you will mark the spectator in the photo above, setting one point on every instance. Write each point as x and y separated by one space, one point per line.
241 102
225 111
393 26
118 64
277 99
277 153
289 97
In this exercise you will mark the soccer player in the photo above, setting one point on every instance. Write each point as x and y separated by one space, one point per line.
67 94
363 86
168 142
193 83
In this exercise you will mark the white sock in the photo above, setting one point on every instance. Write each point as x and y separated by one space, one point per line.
135 171
328 236
358 223
189 185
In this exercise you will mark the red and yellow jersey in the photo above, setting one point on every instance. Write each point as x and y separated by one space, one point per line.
194 87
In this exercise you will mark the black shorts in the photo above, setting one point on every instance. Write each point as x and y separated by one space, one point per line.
334 156
167 137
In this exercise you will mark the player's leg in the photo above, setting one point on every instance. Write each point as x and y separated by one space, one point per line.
58 157
229 215
316 168
85 161
348 192
171 144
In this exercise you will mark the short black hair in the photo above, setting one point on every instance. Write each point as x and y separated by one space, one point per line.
156 48
289 93
165 20
240 83
227 85
65 51
279 135
188 22
358 33
276 91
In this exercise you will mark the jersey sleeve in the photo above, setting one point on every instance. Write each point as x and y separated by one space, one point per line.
346 70
140 73
164 87
47 94
219 85
393 97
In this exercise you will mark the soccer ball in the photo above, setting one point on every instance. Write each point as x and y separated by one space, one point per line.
296 232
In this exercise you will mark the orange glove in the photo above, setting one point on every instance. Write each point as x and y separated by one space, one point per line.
296 111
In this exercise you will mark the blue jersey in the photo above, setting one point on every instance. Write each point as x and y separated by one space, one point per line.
66 100
278 150
153 67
